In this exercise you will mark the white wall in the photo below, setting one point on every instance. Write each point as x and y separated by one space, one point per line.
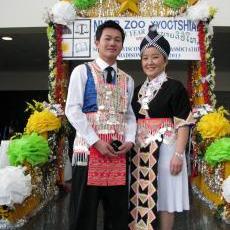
29 13
222 17
23 13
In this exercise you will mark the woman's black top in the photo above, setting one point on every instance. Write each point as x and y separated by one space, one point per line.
171 101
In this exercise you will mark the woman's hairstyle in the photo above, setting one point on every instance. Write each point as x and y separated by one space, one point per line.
153 39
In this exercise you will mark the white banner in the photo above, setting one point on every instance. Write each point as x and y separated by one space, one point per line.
182 34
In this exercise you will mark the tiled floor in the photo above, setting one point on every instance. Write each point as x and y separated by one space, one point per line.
55 216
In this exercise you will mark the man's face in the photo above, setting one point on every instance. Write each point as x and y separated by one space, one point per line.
110 44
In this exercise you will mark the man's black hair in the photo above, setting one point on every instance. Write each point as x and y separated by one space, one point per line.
109 24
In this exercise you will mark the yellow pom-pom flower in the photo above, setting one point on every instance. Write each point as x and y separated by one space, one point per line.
43 121
214 125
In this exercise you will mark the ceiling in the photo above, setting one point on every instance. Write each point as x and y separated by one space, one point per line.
28 51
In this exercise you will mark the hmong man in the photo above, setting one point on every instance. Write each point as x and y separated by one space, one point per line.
99 107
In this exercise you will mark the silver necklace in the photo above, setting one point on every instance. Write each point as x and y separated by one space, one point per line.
149 90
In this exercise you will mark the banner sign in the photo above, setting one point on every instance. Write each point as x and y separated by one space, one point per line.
79 37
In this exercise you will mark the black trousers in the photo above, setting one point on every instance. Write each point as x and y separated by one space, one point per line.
84 201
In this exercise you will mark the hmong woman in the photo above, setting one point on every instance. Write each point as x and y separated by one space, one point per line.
159 179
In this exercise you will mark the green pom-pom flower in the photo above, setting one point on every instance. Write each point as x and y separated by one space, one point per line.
84 4
218 151
175 4
29 148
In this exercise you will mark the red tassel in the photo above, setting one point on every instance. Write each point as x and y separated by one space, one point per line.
59 75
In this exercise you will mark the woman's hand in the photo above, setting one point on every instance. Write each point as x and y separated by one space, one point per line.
176 164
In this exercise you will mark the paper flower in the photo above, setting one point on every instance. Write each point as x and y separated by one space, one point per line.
4 161
201 110
14 185
63 12
54 108
175 4
84 4
44 121
226 189
214 125
31 148
200 11
218 151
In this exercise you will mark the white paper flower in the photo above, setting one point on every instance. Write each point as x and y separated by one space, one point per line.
199 11
201 110
63 12
56 109
4 161
226 189
14 185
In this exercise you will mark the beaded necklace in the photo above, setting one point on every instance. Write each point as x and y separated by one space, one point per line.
148 92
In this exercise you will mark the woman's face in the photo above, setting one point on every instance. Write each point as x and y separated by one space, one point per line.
153 62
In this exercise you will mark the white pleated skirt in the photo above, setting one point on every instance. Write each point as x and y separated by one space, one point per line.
173 194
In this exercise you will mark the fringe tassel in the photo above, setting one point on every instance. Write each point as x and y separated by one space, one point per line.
80 159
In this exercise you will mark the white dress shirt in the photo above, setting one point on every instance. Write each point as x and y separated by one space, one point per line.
75 99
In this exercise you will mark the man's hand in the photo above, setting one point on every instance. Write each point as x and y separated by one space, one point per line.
125 147
104 148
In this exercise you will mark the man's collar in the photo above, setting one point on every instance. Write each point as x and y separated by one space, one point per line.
102 64
162 76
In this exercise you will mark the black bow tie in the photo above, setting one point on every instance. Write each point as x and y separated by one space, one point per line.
109 77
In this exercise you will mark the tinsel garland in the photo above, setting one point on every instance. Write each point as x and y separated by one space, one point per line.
57 89
189 83
60 160
201 73
210 63
200 87
59 150
203 63
52 62
59 97
195 158
208 185
59 74
221 211
55 80
212 176
195 84
147 8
